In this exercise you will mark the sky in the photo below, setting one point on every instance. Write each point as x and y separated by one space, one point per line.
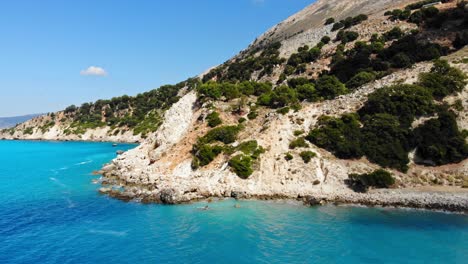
54 53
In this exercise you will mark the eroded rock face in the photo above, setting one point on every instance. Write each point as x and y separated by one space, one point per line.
168 196
167 165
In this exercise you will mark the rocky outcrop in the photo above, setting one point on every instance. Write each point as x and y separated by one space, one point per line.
159 169
39 129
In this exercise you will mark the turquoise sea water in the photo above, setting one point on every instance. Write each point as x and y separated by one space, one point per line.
50 212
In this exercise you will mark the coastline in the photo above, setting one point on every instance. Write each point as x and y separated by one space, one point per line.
74 140
434 198
455 202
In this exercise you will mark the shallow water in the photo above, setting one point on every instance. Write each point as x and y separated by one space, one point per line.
50 212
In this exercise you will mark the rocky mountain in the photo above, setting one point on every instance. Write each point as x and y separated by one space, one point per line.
337 103
8 122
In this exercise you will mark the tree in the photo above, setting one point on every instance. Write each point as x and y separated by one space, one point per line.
440 142
329 87
379 179
443 80
360 79
325 39
461 40
385 142
329 21
214 120
242 165
401 60
307 156
307 92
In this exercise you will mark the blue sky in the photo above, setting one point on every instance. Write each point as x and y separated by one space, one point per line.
47 47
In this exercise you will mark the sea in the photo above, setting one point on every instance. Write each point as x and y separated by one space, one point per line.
52 212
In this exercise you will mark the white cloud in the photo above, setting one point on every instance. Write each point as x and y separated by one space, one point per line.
94 71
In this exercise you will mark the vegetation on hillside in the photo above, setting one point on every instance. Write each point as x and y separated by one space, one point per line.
141 113
382 129
376 179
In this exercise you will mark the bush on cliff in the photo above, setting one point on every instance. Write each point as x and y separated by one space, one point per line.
241 165
443 80
341 136
307 156
440 142
205 155
213 119
377 179
329 87
224 134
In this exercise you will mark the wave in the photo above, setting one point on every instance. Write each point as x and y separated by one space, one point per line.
71 204
84 162
108 232
58 182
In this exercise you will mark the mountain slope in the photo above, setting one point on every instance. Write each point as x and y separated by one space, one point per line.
301 111
7 122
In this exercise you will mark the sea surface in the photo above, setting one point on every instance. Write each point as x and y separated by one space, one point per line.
51 212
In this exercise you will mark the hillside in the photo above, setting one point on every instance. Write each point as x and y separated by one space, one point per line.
339 102
8 122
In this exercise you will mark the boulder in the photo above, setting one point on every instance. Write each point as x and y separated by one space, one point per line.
167 196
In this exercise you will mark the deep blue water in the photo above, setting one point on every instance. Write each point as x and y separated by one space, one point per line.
50 212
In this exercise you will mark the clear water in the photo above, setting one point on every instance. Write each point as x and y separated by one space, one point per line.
50 212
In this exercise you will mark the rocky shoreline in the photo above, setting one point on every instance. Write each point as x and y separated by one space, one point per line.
397 198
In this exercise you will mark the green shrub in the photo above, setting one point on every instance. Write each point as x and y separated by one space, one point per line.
440 142
443 80
325 40
406 102
346 36
461 40
298 132
410 50
252 115
307 92
206 154
329 87
28 131
401 60
341 136
248 147
213 119
241 165
296 82
385 142
329 21
337 25
242 69
416 17
283 110
148 125
377 179
224 134
304 55
307 156
288 156
360 79
242 120
280 97
298 143
394 33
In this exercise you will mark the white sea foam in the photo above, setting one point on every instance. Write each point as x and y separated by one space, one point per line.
108 232
58 182
71 204
84 162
